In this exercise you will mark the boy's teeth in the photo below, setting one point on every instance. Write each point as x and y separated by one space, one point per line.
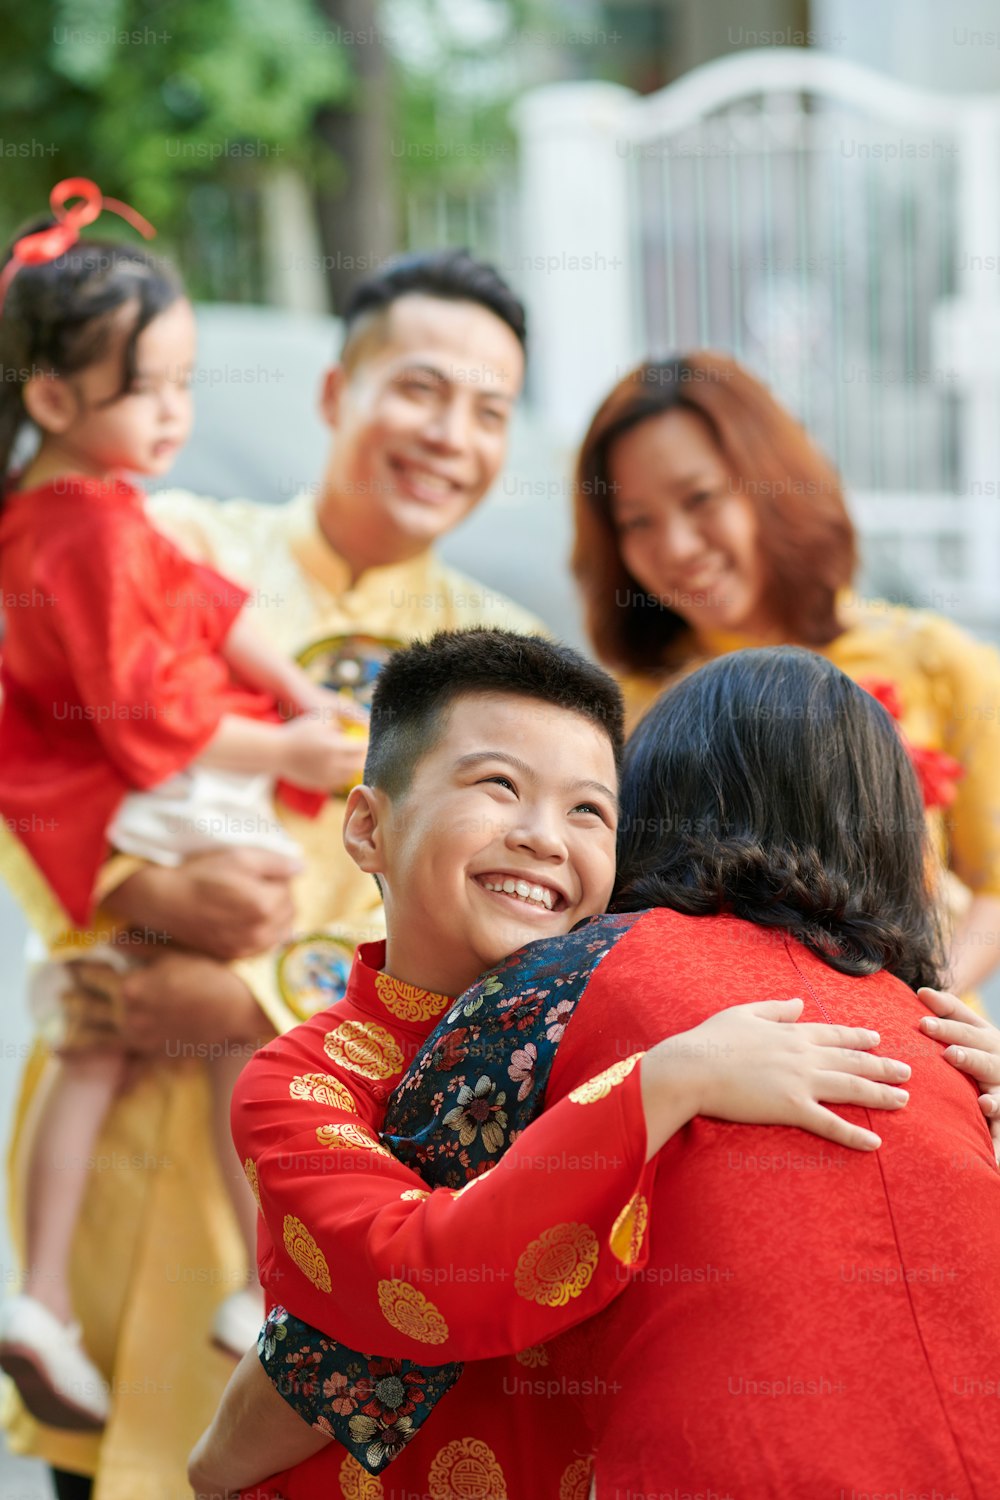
539 895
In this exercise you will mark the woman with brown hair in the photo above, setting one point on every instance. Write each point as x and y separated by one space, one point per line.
706 521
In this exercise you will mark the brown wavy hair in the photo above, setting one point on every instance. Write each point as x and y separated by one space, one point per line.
809 543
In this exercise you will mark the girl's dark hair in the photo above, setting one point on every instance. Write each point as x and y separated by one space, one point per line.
60 317
770 786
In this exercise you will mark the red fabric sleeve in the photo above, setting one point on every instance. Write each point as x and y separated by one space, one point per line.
141 626
546 1238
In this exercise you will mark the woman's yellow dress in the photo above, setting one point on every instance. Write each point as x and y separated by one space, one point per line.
948 684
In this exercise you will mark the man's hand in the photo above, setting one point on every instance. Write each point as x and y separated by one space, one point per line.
179 1002
183 1000
228 904
973 1046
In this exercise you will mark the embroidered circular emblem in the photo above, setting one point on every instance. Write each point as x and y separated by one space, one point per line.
305 1252
535 1358
629 1230
408 1311
348 664
601 1086
558 1265
413 1194
312 973
349 1137
357 1484
575 1482
365 1048
407 1001
466 1469
323 1088
250 1171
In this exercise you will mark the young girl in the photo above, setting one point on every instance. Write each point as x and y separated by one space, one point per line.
139 709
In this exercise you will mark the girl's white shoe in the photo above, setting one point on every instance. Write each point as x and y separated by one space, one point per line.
238 1321
55 1379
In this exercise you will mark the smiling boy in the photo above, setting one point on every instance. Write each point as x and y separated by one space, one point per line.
488 817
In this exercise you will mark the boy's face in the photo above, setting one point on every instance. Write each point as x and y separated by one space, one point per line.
505 835
420 421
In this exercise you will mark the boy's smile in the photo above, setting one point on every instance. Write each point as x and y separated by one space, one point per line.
506 834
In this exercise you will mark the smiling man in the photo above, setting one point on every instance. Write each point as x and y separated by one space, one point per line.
419 409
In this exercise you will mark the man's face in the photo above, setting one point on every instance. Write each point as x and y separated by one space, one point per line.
420 418
505 835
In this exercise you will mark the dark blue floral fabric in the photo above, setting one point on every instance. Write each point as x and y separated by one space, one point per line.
480 1080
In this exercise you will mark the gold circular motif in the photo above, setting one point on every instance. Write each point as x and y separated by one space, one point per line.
413 1194
466 1469
305 1252
629 1230
601 1086
323 1088
534 1358
366 1048
312 973
250 1172
575 1482
357 1484
558 1265
349 1137
407 1002
408 1311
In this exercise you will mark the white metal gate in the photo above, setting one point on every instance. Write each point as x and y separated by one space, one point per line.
835 230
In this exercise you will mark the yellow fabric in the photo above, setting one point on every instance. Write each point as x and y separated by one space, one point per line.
949 686
156 1249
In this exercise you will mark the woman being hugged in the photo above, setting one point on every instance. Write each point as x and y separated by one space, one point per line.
706 521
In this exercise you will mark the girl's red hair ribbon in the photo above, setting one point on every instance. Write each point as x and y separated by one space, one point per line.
49 244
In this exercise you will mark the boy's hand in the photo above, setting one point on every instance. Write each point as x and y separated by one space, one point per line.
973 1046
749 1065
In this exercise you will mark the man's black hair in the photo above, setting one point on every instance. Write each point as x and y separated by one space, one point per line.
451 274
420 682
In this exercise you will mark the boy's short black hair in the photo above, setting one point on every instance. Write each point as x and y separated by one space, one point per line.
420 682
454 275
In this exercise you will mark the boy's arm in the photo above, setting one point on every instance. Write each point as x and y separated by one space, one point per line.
531 1244
254 1433
364 1251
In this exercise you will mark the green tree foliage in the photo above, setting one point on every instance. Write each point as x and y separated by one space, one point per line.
177 106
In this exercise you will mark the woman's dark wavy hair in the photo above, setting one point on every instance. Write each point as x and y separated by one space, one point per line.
62 316
768 785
